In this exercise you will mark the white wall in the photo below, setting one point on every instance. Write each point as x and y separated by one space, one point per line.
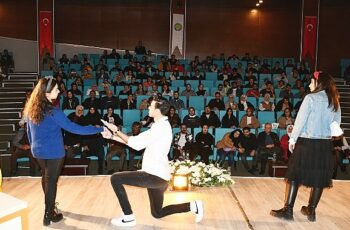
25 53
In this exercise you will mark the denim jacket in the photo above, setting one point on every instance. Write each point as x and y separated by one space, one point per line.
314 118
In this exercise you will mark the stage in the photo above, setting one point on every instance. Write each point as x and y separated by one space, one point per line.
89 203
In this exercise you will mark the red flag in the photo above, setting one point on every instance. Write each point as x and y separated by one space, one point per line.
309 38
45 33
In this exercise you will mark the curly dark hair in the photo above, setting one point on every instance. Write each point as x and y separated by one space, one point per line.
38 105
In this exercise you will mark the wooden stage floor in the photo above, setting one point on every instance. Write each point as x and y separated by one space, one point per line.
90 203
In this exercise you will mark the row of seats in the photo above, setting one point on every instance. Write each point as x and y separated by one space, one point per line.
130 116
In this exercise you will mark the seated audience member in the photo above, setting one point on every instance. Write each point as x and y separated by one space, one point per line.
167 91
243 104
197 75
75 90
249 120
268 89
112 117
286 119
217 103
92 101
70 102
268 146
201 91
126 90
72 142
287 92
285 143
284 104
248 149
228 147
153 91
135 130
224 75
148 83
173 117
230 103
183 146
86 74
177 102
277 68
220 90
340 152
281 77
254 91
115 149
21 148
266 104
301 92
140 49
102 76
188 91
204 143
109 101
128 103
229 120
139 90
210 118
191 120
93 144
250 83
92 88
281 85
147 121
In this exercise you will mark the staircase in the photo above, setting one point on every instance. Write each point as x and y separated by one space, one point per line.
12 94
344 91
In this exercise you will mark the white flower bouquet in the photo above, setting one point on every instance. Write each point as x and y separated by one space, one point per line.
201 174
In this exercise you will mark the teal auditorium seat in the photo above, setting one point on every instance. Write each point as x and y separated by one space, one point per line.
266 117
45 73
197 102
211 76
76 67
130 116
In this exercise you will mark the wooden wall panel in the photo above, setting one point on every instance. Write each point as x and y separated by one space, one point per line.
18 19
116 24
226 27
334 35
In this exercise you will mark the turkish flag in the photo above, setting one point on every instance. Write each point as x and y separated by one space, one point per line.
309 38
45 33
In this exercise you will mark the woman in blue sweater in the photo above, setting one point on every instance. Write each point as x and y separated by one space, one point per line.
44 124
311 163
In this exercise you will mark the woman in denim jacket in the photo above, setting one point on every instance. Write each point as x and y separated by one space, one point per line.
311 163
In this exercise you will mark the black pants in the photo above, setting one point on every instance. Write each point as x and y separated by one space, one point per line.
50 171
156 187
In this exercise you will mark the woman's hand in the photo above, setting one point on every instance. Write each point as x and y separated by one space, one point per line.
106 133
112 127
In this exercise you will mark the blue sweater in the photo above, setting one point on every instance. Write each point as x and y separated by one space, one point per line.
46 138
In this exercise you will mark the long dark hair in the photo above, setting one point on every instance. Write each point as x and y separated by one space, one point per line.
326 82
38 105
236 140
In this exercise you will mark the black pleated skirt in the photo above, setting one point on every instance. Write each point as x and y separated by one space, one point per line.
311 163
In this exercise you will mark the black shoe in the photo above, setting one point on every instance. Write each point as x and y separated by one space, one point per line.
110 172
283 213
53 216
309 212
261 172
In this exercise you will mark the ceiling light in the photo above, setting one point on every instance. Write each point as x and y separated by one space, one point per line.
261 1
257 4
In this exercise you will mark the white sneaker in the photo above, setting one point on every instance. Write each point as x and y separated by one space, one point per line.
198 209
124 221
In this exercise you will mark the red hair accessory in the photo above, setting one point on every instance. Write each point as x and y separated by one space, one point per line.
317 74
